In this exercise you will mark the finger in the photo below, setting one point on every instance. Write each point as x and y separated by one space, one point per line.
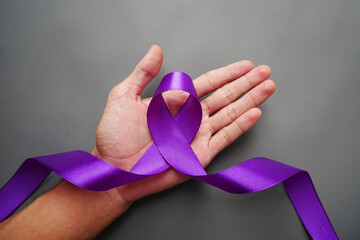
145 70
253 98
233 90
214 79
230 133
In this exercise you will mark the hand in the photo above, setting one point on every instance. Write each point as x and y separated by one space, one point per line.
70 212
123 136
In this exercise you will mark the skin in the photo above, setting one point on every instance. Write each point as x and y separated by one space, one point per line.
69 212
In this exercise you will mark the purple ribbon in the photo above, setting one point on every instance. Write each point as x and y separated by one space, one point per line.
172 137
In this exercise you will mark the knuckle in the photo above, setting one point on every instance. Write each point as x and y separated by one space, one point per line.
226 137
210 80
231 113
240 127
251 100
227 70
228 94
248 80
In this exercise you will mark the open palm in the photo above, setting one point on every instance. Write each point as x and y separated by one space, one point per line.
123 135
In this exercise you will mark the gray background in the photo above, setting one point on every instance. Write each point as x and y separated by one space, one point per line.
59 59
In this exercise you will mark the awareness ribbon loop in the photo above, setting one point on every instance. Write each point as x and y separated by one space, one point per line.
172 137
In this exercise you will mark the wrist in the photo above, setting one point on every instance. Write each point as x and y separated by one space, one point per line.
114 195
90 212
101 203
93 208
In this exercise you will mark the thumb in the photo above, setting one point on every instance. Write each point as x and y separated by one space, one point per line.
145 70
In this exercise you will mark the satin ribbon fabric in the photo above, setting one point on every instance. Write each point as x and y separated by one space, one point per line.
172 137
